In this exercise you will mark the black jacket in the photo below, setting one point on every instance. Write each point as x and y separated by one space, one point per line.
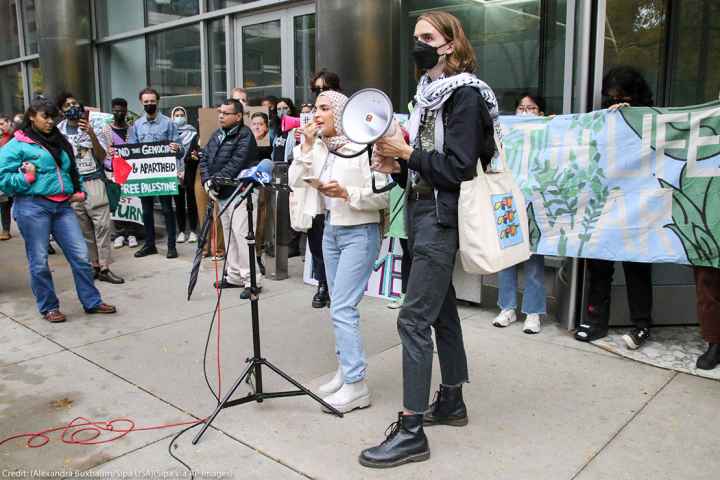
468 137
227 157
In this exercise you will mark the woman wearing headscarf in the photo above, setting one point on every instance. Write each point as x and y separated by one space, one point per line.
340 187
185 205
38 169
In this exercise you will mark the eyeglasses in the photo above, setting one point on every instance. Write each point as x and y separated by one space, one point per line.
527 108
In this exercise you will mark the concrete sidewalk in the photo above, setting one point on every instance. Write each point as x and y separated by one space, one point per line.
541 407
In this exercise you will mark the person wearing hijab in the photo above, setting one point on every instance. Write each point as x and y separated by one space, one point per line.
185 205
452 128
38 169
341 189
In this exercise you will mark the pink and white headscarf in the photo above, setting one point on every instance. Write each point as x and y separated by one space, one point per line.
337 102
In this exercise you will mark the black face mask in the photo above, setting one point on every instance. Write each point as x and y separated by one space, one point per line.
425 56
119 117
150 108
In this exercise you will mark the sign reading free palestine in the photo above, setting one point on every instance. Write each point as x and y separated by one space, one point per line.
154 169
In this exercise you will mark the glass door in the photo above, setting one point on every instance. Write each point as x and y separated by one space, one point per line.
274 52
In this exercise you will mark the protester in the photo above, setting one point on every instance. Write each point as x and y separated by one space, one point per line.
93 213
6 131
185 206
156 127
38 170
533 300
240 94
280 153
261 131
323 81
351 241
230 150
707 288
270 102
453 113
116 133
622 87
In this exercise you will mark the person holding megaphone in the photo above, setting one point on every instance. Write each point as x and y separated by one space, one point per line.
451 129
325 182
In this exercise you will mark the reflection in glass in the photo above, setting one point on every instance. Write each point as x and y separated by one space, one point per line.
9 46
37 82
11 93
506 37
304 32
113 16
123 72
262 60
218 4
635 36
174 67
163 11
217 61
30 26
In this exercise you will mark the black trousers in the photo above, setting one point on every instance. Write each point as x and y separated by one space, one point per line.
430 302
149 219
315 237
638 277
185 204
6 209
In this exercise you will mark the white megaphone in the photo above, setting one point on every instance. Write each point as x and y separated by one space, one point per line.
366 118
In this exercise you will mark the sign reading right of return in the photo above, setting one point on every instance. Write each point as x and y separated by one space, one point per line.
154 170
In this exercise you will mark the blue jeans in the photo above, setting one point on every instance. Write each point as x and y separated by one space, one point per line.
37 218
349 253
534 293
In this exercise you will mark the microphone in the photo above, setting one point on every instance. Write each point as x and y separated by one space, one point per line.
259 174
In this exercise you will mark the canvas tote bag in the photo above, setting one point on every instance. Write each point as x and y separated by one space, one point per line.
493 224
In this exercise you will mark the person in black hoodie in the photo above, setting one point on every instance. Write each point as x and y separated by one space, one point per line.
230 150
451 129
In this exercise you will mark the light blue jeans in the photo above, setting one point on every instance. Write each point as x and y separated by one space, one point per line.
534 293
349 253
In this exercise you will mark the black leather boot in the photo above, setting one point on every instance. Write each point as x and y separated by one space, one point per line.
448 408
711 358
322 296
406 442
595 325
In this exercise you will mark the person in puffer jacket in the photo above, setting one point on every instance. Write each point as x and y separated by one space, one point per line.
37 168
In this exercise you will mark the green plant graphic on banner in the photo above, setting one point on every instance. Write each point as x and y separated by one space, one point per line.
696 218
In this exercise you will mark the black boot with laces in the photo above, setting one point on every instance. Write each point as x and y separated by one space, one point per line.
448 408
405 442
321 299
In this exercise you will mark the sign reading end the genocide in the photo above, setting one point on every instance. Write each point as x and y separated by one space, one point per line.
154 169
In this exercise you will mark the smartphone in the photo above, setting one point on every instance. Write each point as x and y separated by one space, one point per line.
312 181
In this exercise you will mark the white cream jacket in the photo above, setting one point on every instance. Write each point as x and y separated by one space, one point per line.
363 205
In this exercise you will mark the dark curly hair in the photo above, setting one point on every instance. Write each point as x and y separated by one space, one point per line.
628 82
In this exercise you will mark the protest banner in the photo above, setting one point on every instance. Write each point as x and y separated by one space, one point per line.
129 210
154 169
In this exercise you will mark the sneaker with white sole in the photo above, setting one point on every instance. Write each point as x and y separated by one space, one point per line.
132 241
119 242
181 237
192 238
505 318
636 338
397 303
335 383
349 397
532 323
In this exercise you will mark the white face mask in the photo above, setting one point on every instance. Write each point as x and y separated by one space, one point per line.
180 121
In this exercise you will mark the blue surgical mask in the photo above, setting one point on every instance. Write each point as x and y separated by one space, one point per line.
180 121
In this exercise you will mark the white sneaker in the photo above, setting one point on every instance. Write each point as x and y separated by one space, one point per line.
192 238
532 323
397 303
119 242
132 241
335 383
505 318
349 397
180 238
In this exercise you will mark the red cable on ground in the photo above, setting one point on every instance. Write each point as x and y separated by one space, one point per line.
95 429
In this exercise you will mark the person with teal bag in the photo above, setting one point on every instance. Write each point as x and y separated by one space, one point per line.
38 169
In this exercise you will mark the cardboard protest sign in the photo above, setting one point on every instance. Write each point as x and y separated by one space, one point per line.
154 169
129 210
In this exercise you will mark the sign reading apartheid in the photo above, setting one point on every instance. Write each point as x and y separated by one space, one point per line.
639 184
154 171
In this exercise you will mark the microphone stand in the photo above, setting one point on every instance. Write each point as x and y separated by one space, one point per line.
257 361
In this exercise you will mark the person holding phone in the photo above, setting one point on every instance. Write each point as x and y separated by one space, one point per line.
340 190
94 212
38 170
